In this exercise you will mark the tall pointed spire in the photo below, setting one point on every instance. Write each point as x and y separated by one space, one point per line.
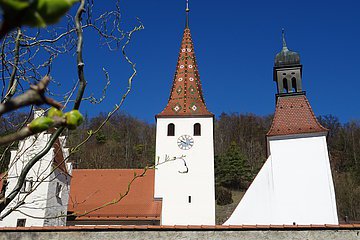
187 10
186 97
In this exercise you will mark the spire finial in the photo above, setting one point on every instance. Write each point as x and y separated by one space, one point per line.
283 39
187 13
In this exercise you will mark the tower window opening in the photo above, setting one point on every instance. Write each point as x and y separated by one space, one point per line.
171 129
197 129
285 86
189 199
293 83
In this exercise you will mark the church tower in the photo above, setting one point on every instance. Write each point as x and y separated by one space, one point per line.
185 128
295 185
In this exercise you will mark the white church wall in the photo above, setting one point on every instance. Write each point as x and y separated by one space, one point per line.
294 186
198 183
38 202
57 199
35 202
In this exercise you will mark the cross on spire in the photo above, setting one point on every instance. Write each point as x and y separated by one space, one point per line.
283 39
187 10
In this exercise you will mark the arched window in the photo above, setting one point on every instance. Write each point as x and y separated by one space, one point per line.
197 129
285 86
171 130
293 83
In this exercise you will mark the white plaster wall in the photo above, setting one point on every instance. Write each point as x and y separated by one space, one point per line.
57 206
294 185
174 187
36 203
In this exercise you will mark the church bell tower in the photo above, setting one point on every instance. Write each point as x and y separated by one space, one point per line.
184 130
295 184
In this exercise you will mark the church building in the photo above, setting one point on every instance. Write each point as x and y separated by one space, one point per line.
295 184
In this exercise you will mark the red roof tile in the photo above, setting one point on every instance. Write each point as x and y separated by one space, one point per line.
59 160
293 115
91 188
186 97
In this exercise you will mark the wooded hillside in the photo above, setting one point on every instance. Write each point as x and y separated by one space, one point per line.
240 151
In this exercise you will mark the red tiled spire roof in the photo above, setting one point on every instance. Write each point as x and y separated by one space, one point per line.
293 115
186 97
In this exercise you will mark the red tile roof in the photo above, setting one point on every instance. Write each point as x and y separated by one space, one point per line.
293 115
191 228
186 97
59 160
91 188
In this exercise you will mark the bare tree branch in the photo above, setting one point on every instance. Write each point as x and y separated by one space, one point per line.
80 61
34 96
13 81
5 201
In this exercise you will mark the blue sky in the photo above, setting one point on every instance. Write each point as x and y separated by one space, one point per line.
235 44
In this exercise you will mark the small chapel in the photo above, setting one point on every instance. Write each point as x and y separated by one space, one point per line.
180 189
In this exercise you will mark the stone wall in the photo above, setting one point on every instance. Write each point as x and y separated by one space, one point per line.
177 234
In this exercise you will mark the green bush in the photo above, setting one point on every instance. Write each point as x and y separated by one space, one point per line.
223 196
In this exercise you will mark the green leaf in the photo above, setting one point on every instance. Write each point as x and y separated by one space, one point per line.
55 112
40 124
15 5
52 10
73 119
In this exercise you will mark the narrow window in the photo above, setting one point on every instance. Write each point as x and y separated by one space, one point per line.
285 86
27 186
293 83
171 130
189 199
58 190
197 129
21 222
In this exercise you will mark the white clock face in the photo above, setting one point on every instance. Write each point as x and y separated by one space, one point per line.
185 142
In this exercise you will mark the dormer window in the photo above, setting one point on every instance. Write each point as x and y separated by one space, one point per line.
171 129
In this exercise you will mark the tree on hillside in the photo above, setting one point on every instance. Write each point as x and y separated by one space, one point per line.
27 57
231 169
125 142
246 130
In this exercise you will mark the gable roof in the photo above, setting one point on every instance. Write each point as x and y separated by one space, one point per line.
91 188
186 97
293 115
